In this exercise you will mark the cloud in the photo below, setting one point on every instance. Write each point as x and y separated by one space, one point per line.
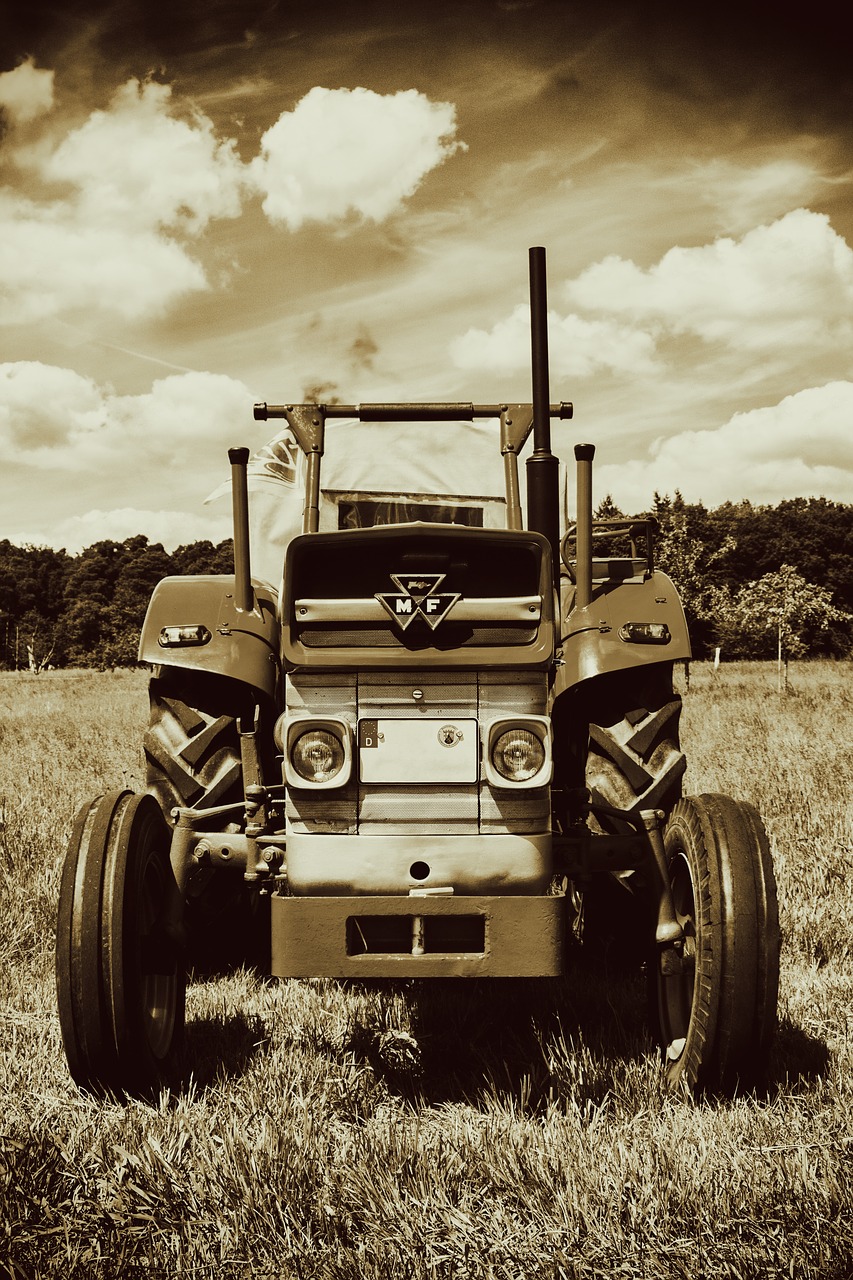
26 92
577 347
171 528
138 166
56 419
42 407
800 447
107 218
345 151
133 179
54 261
788 283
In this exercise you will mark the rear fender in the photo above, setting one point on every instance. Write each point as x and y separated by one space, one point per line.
595 641
241 644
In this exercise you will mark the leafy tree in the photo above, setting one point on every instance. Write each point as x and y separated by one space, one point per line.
781 611
687 559
204 557
607 509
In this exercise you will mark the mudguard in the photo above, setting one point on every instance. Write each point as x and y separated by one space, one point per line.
596 640
227 641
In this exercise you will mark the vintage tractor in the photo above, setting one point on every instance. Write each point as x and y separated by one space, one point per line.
427 753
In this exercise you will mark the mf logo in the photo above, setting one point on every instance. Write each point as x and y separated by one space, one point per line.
418 597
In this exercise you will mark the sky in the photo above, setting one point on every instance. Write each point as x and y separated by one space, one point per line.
215 202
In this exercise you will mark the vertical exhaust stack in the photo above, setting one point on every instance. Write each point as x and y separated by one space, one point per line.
584 454
244 597
543 469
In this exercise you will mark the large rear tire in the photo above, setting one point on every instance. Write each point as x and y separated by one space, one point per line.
192 757
120 978
713 1002
631 760
192 745
634 760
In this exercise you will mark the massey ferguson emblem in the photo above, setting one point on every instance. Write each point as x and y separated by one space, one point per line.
418 597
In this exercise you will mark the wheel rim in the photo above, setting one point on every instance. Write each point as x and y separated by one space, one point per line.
158 990
676 990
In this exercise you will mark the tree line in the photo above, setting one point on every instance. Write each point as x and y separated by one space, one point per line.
760 581
87 610
755 581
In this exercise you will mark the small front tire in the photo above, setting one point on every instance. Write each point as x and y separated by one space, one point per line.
713 997
120 974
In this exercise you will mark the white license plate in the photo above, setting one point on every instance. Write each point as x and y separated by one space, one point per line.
437 750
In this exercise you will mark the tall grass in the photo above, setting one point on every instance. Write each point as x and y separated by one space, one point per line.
489 1129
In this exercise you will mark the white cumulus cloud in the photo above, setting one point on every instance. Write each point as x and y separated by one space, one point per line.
138 165
114 210
57 419
343 151
26 92
577 346
790 282
126 188
800 447
53 261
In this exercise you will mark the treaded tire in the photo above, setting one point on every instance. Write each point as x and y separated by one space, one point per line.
192 745
714 1012
634 761
120 979
192 757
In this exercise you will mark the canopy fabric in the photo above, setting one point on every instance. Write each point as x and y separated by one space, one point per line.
453 460
458 459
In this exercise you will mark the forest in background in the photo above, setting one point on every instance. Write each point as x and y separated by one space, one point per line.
749 577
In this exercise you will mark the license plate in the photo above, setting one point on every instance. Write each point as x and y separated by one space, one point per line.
438 750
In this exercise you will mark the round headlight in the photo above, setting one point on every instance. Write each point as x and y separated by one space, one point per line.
317 755
518 755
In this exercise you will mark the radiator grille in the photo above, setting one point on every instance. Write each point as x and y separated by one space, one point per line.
405 809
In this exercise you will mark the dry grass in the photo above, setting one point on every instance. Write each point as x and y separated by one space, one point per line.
523 1129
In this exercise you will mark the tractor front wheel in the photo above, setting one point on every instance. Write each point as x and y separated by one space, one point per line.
120 976
713 996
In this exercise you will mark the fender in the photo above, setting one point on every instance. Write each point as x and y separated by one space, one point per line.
594 642
240 643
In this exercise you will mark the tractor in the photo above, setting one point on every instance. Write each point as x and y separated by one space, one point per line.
429 744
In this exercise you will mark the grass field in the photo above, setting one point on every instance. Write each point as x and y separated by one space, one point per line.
521 1130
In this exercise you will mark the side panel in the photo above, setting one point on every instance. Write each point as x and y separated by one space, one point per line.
242 645
592 639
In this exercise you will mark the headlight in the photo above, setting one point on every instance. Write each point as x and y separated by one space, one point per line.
517 751
518 754
317 756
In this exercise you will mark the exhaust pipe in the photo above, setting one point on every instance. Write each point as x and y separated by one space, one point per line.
244 597
584 454
543 469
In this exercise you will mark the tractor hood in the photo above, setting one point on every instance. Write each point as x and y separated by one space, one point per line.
418 595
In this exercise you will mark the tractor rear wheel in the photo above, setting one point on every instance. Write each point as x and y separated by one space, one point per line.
713 998
192 758
633 761
120 977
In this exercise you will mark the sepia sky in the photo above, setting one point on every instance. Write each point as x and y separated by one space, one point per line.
213 202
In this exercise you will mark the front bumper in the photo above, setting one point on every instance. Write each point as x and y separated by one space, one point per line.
441 936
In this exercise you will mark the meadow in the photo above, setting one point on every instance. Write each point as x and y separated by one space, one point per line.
507 1130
